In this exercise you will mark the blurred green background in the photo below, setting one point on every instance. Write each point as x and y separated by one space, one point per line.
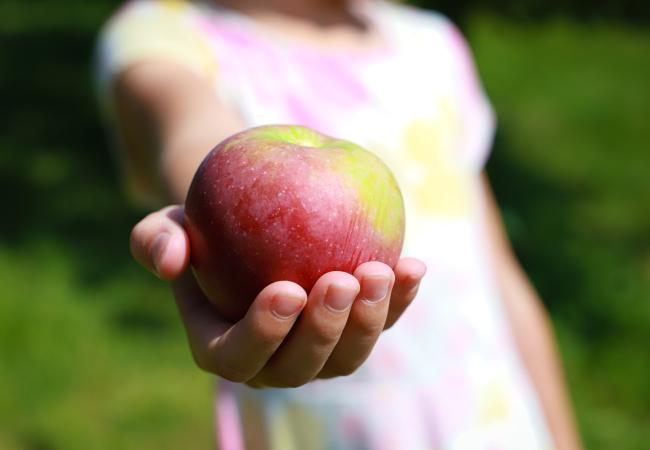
92 355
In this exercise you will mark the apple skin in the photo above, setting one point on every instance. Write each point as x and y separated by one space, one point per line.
285 202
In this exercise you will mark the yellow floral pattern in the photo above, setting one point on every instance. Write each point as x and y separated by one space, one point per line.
436 178
494 405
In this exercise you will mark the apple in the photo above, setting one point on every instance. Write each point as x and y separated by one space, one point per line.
287 203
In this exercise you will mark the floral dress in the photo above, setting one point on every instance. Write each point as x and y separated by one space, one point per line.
447 375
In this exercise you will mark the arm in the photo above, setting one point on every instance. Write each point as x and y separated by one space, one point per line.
531 329
167 120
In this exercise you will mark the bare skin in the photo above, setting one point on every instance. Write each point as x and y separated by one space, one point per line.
271 345
283 347
168 119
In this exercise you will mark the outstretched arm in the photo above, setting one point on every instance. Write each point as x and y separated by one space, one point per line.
168 119
532 330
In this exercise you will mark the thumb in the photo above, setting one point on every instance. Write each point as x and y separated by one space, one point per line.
160 244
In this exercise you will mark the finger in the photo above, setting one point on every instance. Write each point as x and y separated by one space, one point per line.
238 351
306 349
408 274
366 320
160 244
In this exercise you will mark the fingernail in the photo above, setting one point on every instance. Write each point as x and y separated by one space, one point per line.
338 298
375 289
286 306
158 249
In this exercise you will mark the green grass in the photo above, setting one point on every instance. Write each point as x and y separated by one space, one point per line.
93 365
92 355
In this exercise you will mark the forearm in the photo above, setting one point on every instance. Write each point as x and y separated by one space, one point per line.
168 119
532 332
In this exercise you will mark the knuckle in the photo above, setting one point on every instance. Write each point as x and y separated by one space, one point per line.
201 363
227 371
367 327
326 335
372 331
232 374
344 368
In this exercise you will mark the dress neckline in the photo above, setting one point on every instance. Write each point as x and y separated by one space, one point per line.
370 14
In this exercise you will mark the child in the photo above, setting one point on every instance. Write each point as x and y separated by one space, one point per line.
470 364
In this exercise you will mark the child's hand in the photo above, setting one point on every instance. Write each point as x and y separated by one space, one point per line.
274 345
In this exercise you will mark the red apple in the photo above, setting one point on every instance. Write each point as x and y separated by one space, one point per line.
287 203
